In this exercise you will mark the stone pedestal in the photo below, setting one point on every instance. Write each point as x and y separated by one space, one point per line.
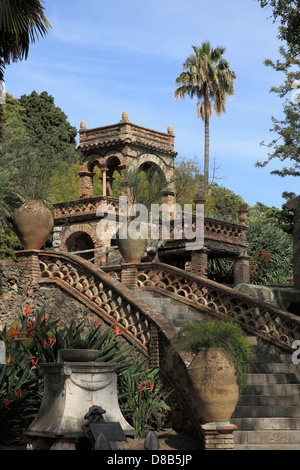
218 436
70 389
129 275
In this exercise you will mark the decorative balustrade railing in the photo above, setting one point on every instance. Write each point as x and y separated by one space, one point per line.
84 207
257 317
99 291
224 230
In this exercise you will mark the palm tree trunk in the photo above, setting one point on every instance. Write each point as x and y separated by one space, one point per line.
206 156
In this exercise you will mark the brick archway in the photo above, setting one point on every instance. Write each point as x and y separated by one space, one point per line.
80 241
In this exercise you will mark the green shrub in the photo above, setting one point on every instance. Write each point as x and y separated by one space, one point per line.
142 398
35 340
217 334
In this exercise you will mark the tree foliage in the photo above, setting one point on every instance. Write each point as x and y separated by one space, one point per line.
22 22
37 147
286 145
287 13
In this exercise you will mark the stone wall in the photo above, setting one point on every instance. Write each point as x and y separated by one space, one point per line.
18 291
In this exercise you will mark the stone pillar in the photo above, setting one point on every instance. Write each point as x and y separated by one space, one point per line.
57 233
217 436
241 269
85 184
129 275
154 346
199 261
32 262
104 170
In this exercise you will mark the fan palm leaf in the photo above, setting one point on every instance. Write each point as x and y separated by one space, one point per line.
22 22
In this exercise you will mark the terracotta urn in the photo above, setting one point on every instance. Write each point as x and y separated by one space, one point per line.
242 214
214 386
132 249
33 223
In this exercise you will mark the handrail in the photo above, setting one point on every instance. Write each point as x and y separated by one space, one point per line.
257 317
118 306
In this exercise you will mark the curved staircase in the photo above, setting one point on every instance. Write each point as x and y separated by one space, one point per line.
268 413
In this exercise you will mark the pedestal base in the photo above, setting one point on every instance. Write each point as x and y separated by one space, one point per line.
70 389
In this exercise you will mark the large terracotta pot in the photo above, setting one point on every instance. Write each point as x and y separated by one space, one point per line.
214 385
33 223
131 249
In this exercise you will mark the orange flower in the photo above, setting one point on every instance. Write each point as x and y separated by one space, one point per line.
29 330
117 330
5 401
97 322
27 310
34 360
144 386
8 359
52 341
18 394
14 332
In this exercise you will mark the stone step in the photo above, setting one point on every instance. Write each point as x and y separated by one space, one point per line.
271 358
268 400
267 424
265 411
272 378
272 389
279 367
174 311
273 447
266 440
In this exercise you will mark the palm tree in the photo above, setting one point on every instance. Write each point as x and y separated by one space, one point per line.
21 23
207 76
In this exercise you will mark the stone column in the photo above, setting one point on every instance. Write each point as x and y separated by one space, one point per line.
85 184
199 261
129 275
241 269
104 170
217 436
32 262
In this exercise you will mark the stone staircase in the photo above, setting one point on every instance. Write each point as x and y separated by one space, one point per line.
268 412
175 312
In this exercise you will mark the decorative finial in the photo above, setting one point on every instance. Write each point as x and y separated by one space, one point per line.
170 129
125 116
83 125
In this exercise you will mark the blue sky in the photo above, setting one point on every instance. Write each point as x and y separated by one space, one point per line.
102 58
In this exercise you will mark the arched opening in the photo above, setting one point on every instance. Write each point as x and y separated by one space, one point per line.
97 179
80 241
106 177
113 177
150 182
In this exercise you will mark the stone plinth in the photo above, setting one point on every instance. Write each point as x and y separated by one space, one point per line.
218 436
70 389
